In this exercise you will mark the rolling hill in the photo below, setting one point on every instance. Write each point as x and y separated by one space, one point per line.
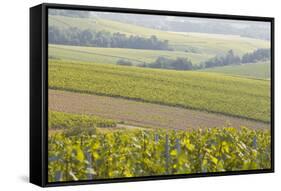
259 70
112 55
204 91
200 42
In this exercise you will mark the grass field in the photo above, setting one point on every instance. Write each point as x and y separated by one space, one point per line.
203 43
256 70
247 98
112 55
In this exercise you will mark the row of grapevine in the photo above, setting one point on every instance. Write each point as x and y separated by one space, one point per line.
96 155
193 90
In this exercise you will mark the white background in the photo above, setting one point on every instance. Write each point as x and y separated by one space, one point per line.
14 95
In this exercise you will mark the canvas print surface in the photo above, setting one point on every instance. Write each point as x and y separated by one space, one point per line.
134 95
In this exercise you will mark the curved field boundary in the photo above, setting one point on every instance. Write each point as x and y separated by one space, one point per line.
94 53
226 95
143 114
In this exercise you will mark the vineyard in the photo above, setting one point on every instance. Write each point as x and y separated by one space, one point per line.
189 89
127 99
83 155
61 120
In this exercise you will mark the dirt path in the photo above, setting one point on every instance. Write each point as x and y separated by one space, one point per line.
142 114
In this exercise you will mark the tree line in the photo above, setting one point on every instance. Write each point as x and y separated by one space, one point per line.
258 55
181 63
173 64
78 37
231 59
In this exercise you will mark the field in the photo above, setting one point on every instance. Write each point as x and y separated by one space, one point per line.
141 114
96 155
193 90
259 70
108 120
203 43
61 120
197 47
112 55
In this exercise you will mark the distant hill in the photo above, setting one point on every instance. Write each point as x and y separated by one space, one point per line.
258 30
200 43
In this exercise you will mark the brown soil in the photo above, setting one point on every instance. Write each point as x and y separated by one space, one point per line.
142 114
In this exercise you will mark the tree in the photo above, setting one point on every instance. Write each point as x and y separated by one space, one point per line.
86 37
229 59
257 55
178 64
182 64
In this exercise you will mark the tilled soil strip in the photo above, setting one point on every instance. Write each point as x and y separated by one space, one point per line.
142 114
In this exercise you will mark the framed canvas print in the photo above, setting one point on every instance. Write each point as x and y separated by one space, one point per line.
127 94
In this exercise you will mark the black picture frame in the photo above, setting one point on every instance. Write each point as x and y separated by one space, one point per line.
39 92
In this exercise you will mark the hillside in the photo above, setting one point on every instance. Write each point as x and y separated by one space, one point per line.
194 90
198 42
112 55
259 70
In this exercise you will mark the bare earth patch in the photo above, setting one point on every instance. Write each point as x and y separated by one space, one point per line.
142 114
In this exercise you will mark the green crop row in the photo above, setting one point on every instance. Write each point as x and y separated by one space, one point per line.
61 120
247 98
135 153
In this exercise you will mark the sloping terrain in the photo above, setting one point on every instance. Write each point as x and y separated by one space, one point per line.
212 92
112 55
259 70
202 43
143 114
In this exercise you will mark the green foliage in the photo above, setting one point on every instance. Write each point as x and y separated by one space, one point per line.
76 36
145 153
247 98
257 55
61 120
228 59
231 59
166 63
